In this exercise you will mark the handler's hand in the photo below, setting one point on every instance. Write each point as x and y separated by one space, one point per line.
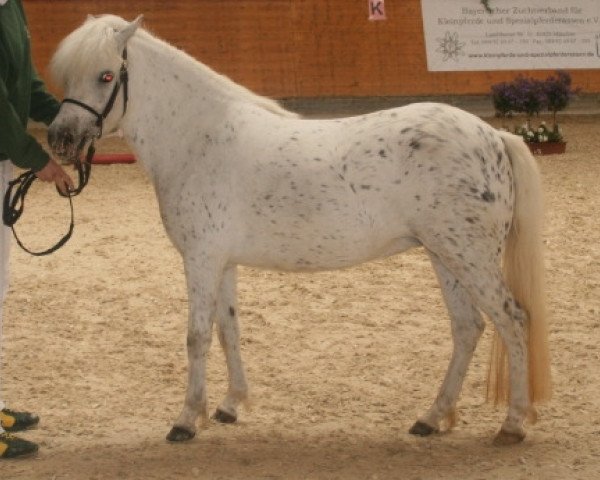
53 172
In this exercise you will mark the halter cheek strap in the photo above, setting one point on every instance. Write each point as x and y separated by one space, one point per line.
122 81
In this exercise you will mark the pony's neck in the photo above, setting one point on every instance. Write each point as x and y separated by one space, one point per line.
178 76
164 79
171 94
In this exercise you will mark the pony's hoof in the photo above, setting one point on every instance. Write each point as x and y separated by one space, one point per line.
180 434
504 439
422 429
223 417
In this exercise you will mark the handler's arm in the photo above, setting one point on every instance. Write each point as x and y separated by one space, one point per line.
23 150
44 107
21 147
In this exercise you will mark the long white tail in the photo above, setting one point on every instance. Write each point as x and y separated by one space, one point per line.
523 266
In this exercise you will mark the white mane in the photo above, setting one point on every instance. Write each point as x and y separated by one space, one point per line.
95 41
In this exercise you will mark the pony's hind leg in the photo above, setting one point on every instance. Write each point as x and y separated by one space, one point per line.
229 337
477 269
467 327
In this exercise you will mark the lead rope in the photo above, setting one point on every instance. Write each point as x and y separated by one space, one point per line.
14 203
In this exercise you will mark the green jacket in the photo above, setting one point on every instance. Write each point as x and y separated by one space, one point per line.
22 92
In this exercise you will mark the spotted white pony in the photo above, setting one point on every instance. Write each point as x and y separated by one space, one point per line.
241 181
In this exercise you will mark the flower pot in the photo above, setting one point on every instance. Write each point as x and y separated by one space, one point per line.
547 148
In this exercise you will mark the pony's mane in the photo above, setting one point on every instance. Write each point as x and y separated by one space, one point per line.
95 41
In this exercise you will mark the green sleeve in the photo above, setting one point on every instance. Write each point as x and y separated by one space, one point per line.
23 150
44 107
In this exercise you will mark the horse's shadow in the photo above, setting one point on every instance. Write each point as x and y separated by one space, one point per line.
231 453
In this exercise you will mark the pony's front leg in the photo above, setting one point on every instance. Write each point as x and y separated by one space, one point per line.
229 337
203 279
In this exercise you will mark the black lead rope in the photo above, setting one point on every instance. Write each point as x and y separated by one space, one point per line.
14 201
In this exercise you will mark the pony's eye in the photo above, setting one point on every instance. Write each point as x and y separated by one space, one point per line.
107 77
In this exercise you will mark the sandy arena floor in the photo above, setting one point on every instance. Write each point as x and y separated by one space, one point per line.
340 364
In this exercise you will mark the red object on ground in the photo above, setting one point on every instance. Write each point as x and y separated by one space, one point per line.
106 158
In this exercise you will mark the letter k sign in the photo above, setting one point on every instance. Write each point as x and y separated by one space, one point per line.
376 10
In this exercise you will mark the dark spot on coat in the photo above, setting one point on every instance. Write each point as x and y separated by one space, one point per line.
232 311
488 196
452 241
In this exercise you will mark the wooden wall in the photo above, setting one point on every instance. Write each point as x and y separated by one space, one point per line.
288 48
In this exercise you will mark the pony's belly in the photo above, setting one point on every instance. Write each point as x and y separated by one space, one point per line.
288 256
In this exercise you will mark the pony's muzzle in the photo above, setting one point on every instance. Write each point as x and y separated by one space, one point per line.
66 142
61 141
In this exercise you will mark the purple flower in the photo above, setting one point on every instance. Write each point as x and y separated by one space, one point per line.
558 91
531 96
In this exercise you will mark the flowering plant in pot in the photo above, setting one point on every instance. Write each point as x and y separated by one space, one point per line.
530 97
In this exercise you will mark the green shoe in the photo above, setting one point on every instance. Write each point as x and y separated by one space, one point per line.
12 421
12 447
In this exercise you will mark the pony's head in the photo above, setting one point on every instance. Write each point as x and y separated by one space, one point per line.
90 65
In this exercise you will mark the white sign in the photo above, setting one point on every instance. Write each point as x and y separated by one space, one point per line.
517 35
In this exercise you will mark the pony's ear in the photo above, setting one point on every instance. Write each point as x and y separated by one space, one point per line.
124 35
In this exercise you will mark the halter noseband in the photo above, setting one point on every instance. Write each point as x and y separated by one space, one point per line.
122 80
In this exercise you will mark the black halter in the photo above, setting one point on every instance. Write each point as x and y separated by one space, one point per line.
14 202
122 80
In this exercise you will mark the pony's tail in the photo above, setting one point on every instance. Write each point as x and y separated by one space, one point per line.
523 266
